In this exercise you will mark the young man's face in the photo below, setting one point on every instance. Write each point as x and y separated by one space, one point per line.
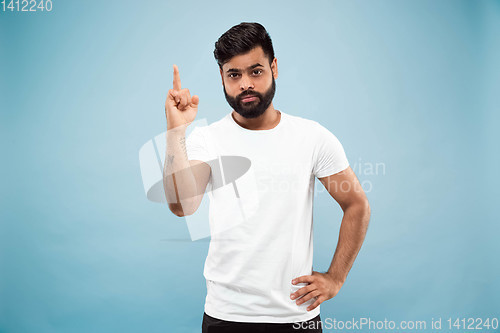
248 82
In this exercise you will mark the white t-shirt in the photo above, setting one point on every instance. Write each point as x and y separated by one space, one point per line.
261 192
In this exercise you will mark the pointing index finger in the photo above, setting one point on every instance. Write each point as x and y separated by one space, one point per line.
177 78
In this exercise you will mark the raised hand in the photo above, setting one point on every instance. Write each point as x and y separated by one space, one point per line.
180 107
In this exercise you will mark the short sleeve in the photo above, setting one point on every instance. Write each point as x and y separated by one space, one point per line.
329 155
196 146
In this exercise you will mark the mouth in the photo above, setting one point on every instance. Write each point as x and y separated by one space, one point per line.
247 99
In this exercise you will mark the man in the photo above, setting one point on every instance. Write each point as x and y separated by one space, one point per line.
259 265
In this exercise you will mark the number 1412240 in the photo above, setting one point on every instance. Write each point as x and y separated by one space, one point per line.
26 5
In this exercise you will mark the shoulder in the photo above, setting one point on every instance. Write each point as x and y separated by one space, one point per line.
310 126
200 127
301 122
217 125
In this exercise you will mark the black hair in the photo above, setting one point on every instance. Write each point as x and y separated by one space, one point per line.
240 39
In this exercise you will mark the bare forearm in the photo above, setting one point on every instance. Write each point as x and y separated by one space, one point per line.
352 234
178 181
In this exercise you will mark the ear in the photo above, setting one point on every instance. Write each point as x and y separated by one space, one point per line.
274 68
221 75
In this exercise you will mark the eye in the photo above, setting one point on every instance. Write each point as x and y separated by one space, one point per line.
233 75
257 71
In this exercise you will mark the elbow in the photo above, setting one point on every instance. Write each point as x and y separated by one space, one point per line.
176 209
180 211
365 209
361 209
366 205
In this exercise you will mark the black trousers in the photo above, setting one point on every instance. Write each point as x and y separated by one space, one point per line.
214 325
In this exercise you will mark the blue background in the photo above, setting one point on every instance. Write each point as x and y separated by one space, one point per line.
409 84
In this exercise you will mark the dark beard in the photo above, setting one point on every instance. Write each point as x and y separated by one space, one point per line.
251 109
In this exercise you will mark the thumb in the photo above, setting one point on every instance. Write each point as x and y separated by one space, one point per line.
195 100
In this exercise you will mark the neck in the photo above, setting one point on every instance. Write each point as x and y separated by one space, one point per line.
268 120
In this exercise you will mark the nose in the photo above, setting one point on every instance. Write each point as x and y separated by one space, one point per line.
246 83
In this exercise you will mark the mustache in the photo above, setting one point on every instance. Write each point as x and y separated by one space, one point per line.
248 93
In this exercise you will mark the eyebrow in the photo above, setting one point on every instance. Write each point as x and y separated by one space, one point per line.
236 70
